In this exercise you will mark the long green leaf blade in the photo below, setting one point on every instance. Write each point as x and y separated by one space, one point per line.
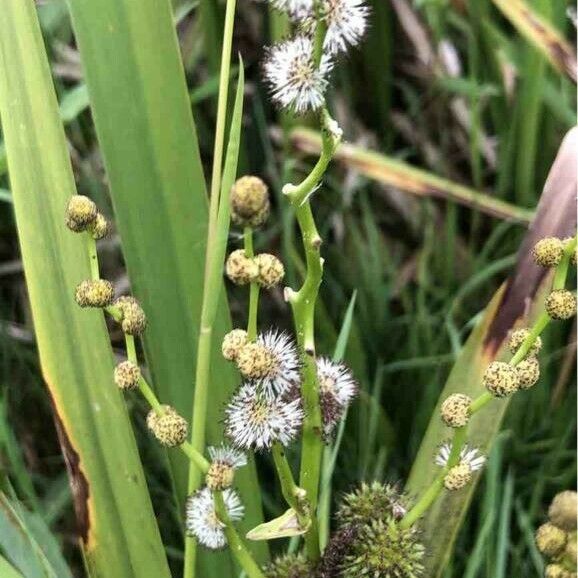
116 521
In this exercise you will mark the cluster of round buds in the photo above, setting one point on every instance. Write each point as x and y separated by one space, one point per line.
168 426
82 215
271 270
232 344
518 337
249 202
127 375
561 304
202 522
224 462
455 410
265 269
461 474
501 379
548 252
132 316
289 566
94 293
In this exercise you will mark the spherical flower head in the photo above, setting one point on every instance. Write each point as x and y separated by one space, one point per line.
168 427
99 228
295 81
346 24
501 379
370 502
563 510
240 269
249 202
548 252
201 519
383 548
255 421
518 337
561 304
255 361
133 319
94 293
458 477
271 270
528 371
571 552
557 571
232 344
337 388
80 213
455 410
470 456
550 540
289 566
224 461
127 375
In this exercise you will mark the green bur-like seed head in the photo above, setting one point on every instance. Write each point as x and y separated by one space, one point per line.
383 549
501 379
563 510
455 410
528 372
518 337
550 539
289 566
80 213
127 375
169 427
271 270
133 319
240 269
548 252
94 293
369 502
249 202
561 304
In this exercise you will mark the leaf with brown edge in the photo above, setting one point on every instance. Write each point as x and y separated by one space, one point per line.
517 301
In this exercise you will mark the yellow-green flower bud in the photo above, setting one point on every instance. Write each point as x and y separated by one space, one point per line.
501 379
127 375
458 477
518 337
563 510
99 227
528 371
220 476
561 304
548 252
133 319
271 270
556 571
249 202
80 213
94 293
550 540
233 342
255 361
240 269
455 410
168 427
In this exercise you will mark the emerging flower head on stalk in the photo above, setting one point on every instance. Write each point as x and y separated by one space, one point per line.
346 22
470 456
202 521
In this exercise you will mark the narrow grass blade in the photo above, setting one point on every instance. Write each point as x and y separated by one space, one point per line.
555 216
115 519
541 34
410 179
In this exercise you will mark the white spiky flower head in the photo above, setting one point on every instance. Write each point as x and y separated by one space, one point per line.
227 455
255 421
337 388
346 24
295 9
201 519
295 81
469 456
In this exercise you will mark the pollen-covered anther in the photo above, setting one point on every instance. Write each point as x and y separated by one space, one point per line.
94 293
220 476
528 372
241 269
458 477
80 213
561 304
271 270
168 427
455 410
501 379
232 344
99 228
255 361
518 337
133 319
249 202
548 252
550 539
127 375
563 510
